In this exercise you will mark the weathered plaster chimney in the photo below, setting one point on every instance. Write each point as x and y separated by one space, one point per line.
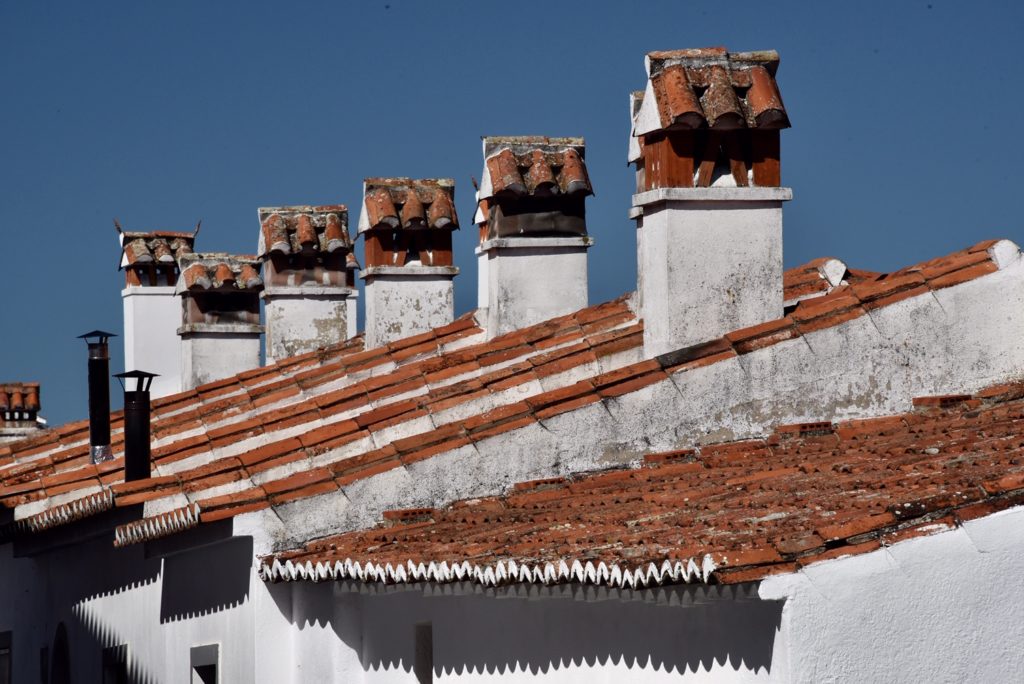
709 203
532 255
309 292
407 229
152 312
220 316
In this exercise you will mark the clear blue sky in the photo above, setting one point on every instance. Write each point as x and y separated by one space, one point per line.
905 141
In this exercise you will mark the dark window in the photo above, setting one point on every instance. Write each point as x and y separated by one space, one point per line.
204 662
115 665
5 658
424 664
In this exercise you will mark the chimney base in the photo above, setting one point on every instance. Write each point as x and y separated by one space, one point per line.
213 352
402 301
532 279
710 261
304 319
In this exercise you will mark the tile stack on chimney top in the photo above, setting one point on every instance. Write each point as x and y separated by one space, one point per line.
19 411
533 234
220 316
151 309
309 274
407 228
708 207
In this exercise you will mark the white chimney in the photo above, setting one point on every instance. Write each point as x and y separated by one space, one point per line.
309 292
532 255
152 311
220 316
407 227
709 203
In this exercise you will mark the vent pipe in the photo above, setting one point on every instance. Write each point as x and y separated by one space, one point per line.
99 394
136 386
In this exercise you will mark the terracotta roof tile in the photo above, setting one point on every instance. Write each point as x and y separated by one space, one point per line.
19 396
534 166
155 247
713 89
218 271
408 204
307 230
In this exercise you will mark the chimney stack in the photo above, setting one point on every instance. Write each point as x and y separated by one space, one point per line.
708 207
220 316
136 385
99 394
19 410
407 229
533 234
151 309
309 292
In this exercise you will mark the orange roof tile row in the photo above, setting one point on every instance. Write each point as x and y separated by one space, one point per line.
536 166
716 89
408 204
592 333
19 396
304 229
209 271
156 247
807 493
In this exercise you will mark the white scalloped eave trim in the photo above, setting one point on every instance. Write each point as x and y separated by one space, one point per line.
69 512
501 573
157 526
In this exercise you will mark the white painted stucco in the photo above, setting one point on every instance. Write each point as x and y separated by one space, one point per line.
211 355
303 319
402 301
152 315
710 261
532 279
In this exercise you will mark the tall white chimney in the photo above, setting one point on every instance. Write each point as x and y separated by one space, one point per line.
407 227
220 316
309 289
532 254
709 203
152 311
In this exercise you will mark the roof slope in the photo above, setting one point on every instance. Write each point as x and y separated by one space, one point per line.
314 423
740 510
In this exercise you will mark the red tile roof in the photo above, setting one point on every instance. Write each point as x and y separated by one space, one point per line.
305 230
716 89
740 511
217 271
380 389
531 165
406 203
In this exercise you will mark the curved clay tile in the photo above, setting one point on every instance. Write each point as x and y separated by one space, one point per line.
381 209
162 251
413 214
574 176
223 276
17 403
504 172
764 100
5 400
442 211
137 252
32 399
196 277
275 235
540 180
677 104
249 278
305 233
335 234
180 247
721 106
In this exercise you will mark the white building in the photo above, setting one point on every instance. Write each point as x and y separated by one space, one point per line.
734 474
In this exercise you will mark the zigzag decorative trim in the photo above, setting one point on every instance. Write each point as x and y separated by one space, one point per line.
500 573
68 512
157 526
